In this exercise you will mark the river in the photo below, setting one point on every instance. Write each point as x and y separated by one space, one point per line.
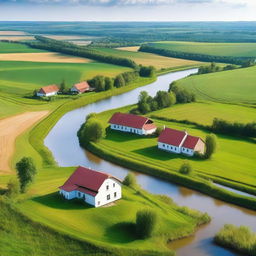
63 143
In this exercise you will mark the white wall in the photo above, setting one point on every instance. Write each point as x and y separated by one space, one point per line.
108 188
148 132
126 129
68 195
46 95
170 148
187 151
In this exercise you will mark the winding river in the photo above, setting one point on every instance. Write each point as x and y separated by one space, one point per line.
67 152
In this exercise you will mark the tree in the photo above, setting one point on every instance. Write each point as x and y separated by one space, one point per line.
98 82
130 180
26 171
13 188
109 83
186 168
63 86
144 107
147 71
210 145
163 99
145 223
119 81
89 116
93 130
172 85
159 130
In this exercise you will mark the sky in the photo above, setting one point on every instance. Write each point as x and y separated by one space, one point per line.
128 10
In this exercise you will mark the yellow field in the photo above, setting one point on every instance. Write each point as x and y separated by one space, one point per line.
16 38
129 48
43 57
12 33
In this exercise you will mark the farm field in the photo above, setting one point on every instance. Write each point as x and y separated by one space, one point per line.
235 86
205 112
217 49
43 57
234 160
106 226
22 78
16 48
147 59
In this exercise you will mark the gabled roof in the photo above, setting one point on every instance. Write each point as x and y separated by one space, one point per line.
86 180
82 87
190 142
129 120
49 89
172 137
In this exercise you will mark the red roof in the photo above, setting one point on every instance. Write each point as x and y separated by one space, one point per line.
85 180
171 136
149 127
128 120
49 89
82 87
190 142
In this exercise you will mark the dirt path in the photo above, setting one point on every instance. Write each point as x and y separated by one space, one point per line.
10 129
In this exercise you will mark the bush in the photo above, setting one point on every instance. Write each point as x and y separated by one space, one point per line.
119 81
91 115
145 223
186 168
210 145
109 83
130 180
93 130
158 131
26 171
13 188
147 71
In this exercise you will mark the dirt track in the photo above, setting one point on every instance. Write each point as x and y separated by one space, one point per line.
10 129
42 57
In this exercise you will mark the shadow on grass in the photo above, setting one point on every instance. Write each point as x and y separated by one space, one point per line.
123 232
57 201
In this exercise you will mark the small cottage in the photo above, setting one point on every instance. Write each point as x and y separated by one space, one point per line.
93 187
48 91
180 142
80 87
132 123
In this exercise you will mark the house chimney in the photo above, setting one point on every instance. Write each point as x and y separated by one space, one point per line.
164 127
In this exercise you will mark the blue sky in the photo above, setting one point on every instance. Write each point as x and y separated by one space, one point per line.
128 10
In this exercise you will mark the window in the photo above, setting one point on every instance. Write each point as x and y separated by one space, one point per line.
115 194
164 145
108 197
114 184
98 202
107 187
171 147
79 194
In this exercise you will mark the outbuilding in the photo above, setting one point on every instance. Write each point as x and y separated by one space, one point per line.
48 91
93 187
132 123
80 87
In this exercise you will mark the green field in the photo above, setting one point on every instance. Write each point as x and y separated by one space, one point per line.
147 59
234 160
16 48
236 86
205 112
217 49
105 226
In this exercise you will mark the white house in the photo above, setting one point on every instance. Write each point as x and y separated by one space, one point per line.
47 91
80 87
132 123
95 188
178 142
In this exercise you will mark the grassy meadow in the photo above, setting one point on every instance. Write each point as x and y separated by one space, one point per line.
234 159
147 59
16 48
217 49
205 112
235 86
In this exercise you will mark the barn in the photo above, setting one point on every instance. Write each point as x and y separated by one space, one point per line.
93 187
47 91
80 87
132 123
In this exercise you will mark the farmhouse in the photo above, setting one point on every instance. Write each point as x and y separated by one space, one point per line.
180 142
80 87
132 123
47 91
95 188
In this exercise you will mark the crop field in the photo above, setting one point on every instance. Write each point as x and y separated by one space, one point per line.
234 159
217 49
43 57
148 59
105 225
236 86
21 78
205 112
16 48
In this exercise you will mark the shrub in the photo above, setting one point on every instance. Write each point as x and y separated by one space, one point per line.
130 180
109 83
145 223
93 130
26 171
119 81
210 145
159 130
13 188
91 115
147 71
186 168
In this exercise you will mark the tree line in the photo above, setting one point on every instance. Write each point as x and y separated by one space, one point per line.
197 56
